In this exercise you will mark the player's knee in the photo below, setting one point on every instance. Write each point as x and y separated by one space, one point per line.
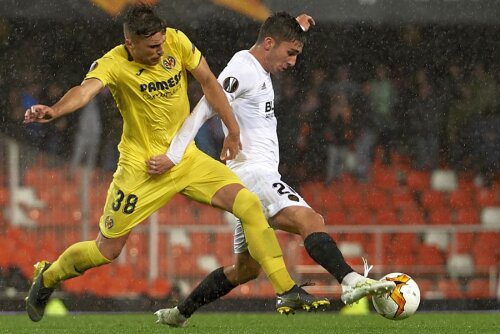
245 201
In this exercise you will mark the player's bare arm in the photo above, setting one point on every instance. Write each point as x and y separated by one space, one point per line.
74 99
218 100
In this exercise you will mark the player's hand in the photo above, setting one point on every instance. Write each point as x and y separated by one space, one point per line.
159 164
39 114
231 147
305 21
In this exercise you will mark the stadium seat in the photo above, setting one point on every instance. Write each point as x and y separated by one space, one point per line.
418 180
461 242
467 216
490 217
429 255
386 217
377 198
487 198
440 239
352 199
411 216
385 178
440 216
444 180
431 199
402 198
361 216
460 265
159 288
460 199
336 217
480 288
450 288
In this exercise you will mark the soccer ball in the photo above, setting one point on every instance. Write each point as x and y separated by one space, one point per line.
402 302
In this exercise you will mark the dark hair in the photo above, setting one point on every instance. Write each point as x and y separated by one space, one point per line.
142 21
283 27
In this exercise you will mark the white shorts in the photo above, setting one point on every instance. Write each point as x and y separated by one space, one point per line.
274 194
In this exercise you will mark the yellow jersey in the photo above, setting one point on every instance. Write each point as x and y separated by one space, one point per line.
152 100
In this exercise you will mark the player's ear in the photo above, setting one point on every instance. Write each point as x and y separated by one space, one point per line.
268 43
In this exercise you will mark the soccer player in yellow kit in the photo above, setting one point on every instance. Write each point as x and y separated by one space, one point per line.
147 77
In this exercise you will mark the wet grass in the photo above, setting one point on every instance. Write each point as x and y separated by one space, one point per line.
243 323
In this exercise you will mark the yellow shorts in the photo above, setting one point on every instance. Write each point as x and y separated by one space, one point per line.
134 194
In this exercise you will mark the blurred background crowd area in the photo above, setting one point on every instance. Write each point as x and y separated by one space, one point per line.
428 92
391 131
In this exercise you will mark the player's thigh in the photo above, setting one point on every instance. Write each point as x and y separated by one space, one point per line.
274 194
132 197
206 177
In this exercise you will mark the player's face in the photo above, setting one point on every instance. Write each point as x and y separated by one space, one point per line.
283 55
147 51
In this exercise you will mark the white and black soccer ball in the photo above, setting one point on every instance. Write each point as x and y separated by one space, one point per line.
402 302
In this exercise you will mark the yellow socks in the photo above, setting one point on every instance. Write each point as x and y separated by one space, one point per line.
74 261
262 243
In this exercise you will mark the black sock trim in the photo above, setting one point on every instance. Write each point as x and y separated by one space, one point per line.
214 286
323 249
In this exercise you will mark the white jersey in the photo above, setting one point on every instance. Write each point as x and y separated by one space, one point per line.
250 92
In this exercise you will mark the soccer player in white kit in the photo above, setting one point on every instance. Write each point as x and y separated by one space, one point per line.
248 86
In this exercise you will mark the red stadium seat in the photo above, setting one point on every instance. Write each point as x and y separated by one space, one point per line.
467 216
487 198
377 199
412 216
440 216
450 288
432 199
479 288
461 199
385 178
430 255
337 217
361 216
352 199
402 198
386 217
461 243
417 180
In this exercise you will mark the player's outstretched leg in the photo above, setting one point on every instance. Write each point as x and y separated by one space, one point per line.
364 286
298 299
38 295
171 317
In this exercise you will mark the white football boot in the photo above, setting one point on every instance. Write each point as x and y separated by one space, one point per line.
365 286
171 317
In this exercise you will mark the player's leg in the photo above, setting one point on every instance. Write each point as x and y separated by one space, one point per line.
73 262
216 285
120 215
262 242
323 249
213 183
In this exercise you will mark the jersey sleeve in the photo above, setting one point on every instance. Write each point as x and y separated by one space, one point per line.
201 113
103 69
236 79
191 56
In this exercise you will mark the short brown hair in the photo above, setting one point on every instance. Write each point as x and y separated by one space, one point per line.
283 27
142 21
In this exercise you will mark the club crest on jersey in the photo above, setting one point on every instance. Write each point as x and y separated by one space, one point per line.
230 84
168 63
109 223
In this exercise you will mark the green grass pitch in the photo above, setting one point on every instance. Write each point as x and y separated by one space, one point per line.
248 323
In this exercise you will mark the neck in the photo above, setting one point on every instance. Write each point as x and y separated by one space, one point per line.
259 53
